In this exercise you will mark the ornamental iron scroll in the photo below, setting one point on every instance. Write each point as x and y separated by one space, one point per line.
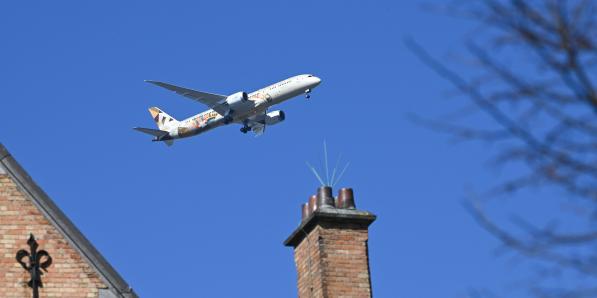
34 264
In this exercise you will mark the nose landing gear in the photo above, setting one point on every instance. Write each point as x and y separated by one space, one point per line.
308 93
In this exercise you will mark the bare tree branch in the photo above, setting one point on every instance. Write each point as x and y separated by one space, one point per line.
535 80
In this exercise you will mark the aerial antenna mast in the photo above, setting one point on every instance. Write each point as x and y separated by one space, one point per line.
333 180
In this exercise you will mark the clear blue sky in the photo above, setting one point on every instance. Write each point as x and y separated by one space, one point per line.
208 215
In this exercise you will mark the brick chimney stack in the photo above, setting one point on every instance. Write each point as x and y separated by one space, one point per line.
331 247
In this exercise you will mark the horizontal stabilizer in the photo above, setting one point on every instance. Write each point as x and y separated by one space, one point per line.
154 132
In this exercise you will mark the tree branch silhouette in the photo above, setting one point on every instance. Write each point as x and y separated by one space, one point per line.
534 79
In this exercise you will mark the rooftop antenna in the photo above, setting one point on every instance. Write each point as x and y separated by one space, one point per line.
315 173
336 166
325 158
329 181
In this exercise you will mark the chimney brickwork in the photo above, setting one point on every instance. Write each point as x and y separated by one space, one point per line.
331 248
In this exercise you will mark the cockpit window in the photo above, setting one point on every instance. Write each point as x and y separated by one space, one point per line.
310 76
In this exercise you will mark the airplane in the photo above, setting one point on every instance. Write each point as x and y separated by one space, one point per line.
249 110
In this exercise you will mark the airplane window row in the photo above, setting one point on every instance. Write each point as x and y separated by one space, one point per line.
281 84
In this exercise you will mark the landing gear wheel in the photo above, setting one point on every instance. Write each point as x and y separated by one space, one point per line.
245 129
308 93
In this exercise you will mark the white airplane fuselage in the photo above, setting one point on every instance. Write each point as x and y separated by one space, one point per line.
258 102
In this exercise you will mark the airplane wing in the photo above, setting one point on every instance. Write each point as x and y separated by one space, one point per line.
209 99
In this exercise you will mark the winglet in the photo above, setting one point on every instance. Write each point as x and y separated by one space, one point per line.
161 84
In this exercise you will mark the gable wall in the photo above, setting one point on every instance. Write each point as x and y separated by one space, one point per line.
68 276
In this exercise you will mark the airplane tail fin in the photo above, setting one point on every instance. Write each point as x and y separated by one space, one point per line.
163 120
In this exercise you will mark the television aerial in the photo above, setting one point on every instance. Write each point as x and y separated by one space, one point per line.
332 180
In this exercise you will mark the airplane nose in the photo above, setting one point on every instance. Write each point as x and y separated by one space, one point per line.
316 80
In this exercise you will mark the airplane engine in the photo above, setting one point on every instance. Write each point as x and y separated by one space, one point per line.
274 117
237 99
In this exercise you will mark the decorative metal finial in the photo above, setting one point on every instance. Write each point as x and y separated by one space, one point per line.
35 265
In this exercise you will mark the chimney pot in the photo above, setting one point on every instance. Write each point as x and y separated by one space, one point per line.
312 204
340 202
324 197
304 211
346 199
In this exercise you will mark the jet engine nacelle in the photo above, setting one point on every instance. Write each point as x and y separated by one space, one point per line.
274 117
237 99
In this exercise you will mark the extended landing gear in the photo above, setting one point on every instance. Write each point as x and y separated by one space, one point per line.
246 128
308 93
